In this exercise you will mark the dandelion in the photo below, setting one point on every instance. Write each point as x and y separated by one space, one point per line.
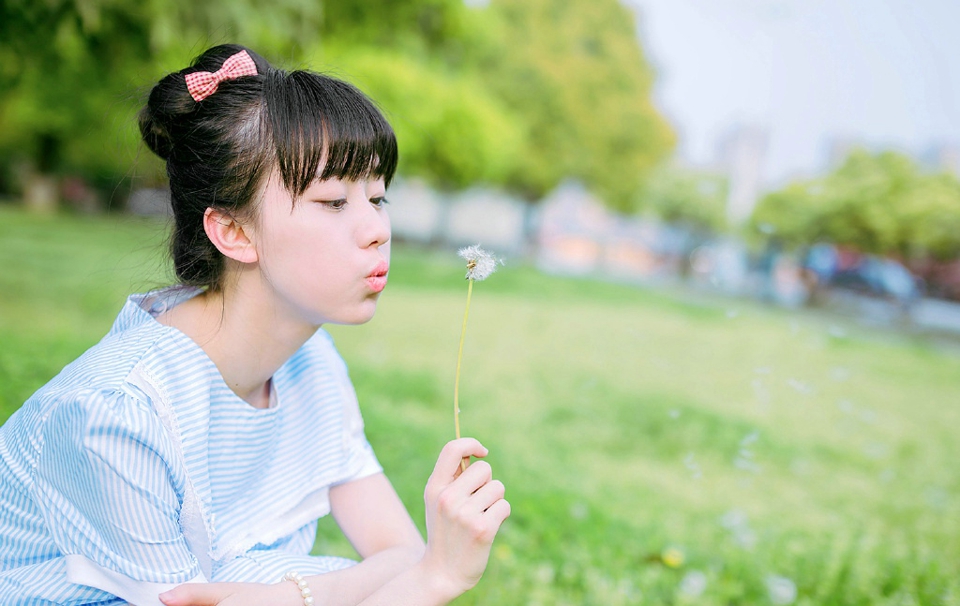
693 584
800 386
737 522
781 590
690 462
672 557
480 264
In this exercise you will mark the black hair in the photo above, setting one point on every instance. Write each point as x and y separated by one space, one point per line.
221 150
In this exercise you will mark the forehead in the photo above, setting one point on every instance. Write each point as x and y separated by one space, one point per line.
331 130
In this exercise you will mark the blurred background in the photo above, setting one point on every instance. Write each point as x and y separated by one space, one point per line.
722 362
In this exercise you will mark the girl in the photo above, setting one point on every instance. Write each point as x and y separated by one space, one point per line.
185 459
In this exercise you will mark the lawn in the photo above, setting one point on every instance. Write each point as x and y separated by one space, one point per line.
657 447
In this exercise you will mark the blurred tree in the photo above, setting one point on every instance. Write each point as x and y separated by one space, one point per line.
415 26
517 94
575 73
931 218
879 203
67 69
450 130
692 199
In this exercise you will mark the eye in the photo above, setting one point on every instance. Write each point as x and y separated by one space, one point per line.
379 201
334 204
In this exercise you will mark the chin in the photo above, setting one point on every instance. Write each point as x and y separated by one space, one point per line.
361 316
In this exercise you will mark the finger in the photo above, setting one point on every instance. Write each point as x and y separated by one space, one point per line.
474 477
486 496
448 463
457 493
498 512
195 594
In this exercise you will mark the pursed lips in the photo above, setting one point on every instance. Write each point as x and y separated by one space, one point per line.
377 279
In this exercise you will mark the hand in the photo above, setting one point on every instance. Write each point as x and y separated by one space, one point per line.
231 594
464 513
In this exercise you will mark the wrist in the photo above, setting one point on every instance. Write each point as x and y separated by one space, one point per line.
437 584
290 593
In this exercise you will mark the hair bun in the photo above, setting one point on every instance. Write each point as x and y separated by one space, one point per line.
169 102
170 105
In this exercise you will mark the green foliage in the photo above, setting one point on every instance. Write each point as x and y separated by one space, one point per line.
412 26
68 95
518 94
697 200
576 74
879 203
450 130
757 443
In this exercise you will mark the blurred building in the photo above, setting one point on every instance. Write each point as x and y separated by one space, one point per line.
577 235
838 148
942 156
420 213
741 154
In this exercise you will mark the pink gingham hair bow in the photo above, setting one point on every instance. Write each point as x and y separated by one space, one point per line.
203 84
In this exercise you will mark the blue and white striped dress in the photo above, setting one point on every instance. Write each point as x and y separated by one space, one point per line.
137 469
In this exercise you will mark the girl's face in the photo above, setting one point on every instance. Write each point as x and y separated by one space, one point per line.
324 258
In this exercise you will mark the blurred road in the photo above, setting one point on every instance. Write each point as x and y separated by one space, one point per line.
936 314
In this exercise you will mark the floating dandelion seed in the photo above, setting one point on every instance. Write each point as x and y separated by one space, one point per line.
480 264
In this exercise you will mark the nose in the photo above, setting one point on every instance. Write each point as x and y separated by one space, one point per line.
374 227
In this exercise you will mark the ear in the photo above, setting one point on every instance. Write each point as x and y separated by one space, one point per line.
229 236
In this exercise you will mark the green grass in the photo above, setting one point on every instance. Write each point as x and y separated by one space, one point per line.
623 421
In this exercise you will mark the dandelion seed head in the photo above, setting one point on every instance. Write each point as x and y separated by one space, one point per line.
693 584
781 590
836 332
579 511
839 374
800 386
480 263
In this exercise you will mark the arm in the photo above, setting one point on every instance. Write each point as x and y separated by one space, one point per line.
464 513
376 523
107 492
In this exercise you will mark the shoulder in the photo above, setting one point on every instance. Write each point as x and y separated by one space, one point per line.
106 365
84 427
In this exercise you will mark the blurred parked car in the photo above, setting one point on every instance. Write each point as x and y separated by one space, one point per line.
830 267
879 277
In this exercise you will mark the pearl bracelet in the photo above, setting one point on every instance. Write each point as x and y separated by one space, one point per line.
301 582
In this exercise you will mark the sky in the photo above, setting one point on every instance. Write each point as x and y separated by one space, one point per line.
884 73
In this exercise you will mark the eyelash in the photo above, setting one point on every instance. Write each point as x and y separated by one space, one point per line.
379 202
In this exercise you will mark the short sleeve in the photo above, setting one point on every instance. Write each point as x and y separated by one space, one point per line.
110 495
360 460
269 566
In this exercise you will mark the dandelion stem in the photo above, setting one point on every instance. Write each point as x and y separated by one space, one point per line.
456 383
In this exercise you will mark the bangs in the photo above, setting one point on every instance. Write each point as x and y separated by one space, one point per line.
317 120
